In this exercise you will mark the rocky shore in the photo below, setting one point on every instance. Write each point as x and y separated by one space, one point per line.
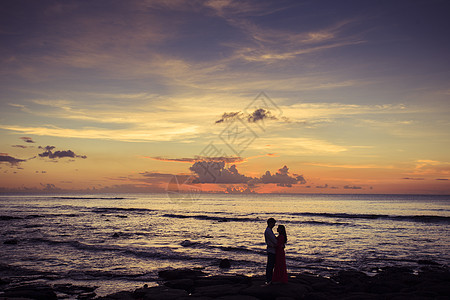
390 283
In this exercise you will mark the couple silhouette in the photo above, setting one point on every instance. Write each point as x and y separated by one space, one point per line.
276 258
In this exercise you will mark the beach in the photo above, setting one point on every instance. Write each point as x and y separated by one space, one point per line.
432 282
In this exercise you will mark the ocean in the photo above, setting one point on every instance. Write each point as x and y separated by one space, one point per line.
120 242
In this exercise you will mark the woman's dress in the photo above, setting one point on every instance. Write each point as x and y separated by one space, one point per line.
280 272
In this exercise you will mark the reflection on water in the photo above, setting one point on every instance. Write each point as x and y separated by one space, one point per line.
127 238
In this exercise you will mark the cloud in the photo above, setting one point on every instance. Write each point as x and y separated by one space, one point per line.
9 159
58 154
217 172
444 179
322 186
352 187
281 178
27 139
19 146
259 114
409 178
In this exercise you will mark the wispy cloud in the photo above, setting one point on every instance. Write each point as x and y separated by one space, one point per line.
140 135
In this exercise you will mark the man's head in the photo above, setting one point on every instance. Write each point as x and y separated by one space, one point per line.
271 222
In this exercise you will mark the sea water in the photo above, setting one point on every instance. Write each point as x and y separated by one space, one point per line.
120 242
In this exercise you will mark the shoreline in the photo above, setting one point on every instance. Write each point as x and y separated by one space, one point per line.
431 282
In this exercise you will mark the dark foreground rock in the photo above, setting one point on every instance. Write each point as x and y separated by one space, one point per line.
391 283
186 284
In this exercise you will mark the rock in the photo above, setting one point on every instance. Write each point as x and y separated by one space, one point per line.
70 289
32 291
218 290
352 280
238 297
274 291
427 262
159 293
182 284
222 279
180 274
225 263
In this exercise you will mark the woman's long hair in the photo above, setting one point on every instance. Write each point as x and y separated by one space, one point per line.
282 230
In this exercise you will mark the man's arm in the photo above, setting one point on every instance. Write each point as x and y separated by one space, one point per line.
271 240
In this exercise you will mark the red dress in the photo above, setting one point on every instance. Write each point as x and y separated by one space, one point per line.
280 272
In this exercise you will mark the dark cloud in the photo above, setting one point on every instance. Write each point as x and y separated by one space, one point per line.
352 187
259 114
229 116
408 178
19 146
282 178
9 159
442 179
216 172
58 154
27 139
322 186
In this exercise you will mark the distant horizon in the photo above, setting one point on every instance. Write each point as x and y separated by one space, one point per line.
93 193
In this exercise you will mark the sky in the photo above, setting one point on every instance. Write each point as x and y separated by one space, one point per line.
225 96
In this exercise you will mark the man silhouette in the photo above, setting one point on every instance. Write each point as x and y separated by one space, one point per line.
271 242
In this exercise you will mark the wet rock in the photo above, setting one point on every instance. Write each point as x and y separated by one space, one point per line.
225 263
222 279
180 274
352 280
32 291
274 291
239 297
70 289
218 290
427 262
159 293
182 284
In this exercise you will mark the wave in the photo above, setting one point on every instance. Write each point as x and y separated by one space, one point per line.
8 218
90 198
413 218
156 253
212 218
238 249
255 219
103 210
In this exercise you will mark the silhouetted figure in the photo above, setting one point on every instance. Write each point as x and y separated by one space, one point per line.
271 242
280 271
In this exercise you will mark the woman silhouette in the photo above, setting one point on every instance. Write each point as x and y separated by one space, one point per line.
280 272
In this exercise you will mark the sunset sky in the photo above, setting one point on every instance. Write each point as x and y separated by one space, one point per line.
350 96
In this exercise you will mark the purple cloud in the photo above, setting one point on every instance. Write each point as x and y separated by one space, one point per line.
9 159
27 139
58 154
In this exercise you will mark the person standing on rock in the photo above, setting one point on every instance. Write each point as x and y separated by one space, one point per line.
280 271
271 242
